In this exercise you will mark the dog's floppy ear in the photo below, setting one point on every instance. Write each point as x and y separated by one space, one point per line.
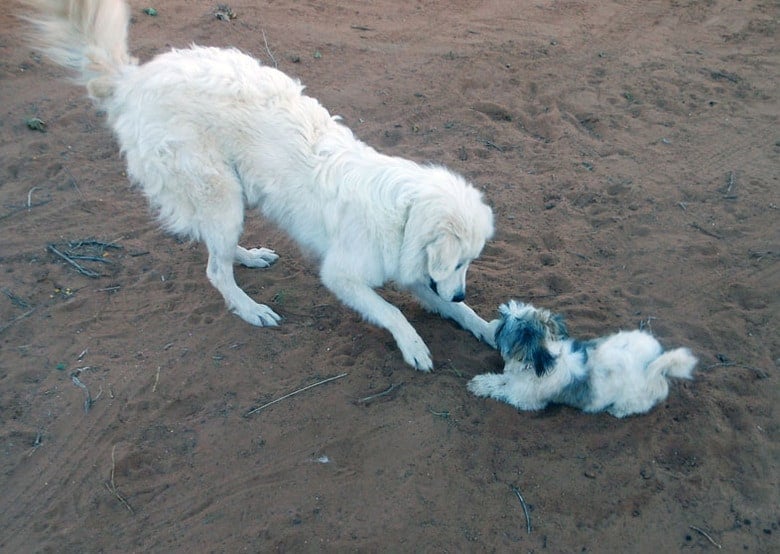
522 338
442 252
419 230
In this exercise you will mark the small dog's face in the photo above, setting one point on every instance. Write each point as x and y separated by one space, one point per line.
522 334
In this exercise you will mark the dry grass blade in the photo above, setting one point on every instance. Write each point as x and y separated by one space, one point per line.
706 536
526 513
111 485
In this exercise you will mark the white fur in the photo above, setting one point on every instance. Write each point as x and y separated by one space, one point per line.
208 132
622 374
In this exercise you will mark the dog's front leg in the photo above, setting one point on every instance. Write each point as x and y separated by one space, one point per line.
375 309
459 312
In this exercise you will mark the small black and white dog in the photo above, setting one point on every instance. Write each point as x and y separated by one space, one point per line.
622 374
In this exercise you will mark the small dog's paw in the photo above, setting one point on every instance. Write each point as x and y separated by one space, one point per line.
257 257
258 314
487 384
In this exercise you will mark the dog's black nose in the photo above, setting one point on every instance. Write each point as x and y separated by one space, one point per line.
460 297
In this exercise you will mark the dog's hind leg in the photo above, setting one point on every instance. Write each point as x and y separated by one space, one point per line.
222 253
219 220
459 312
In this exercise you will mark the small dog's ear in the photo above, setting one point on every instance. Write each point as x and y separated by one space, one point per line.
499 327
559 329
543 360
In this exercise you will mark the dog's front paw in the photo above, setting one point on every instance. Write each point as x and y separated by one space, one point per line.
258 314
417 355
489 335
256 257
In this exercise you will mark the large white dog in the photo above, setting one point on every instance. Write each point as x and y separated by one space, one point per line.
208 131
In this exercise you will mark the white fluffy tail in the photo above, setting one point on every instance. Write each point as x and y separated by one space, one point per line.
675 363
87 36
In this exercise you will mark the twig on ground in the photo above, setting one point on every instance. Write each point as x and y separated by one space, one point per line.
76 381
111 486
444 415
760 373
705 535
90 259
109 289
705 231
730 183
267 49
760 255
581 256
525 508
18 209
81 269
156 379
73 181
647 323
293 393
17 301
537 296
717 75
16 319
36 443
94 242
371 398
491 144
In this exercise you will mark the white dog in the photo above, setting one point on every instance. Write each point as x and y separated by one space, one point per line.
208 131
622 374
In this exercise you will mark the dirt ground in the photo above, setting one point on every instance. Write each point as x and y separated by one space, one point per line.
630 152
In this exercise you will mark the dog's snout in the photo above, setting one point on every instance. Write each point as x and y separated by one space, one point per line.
459 297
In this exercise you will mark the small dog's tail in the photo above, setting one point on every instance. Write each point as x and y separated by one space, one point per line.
86 36
675 363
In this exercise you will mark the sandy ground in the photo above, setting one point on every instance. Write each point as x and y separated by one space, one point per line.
630 151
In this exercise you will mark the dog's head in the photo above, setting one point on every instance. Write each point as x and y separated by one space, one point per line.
522 334
445 231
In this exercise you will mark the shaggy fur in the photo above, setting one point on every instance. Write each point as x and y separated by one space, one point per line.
623 374
207 132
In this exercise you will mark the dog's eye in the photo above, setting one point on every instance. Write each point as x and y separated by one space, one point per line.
459 266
